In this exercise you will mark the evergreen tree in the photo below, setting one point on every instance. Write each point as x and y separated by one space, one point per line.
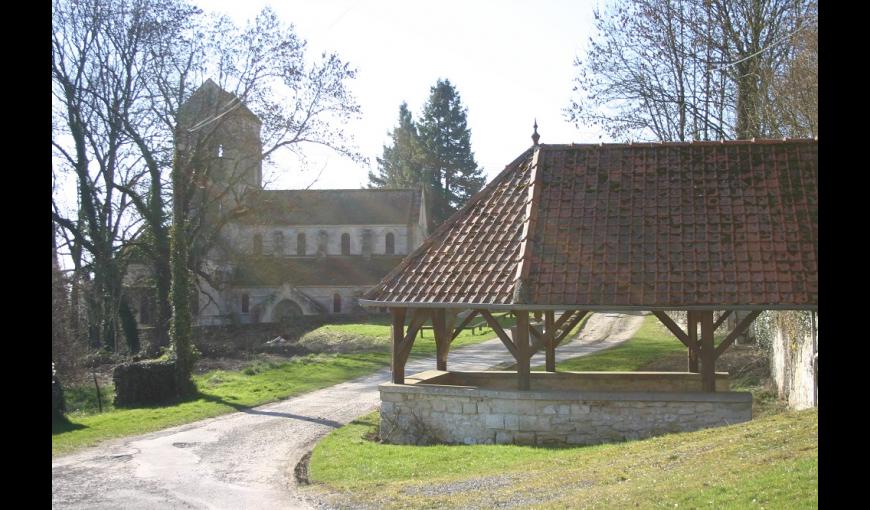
449 165
402 164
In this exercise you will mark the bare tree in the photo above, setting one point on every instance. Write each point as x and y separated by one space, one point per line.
123 69
687 69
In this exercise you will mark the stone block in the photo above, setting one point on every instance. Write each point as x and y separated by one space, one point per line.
503 437
503 406
525 438
438 405
526 407
469 408
391 397
511 422
579 409
528 422
495 421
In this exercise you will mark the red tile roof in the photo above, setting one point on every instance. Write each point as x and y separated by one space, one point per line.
649 226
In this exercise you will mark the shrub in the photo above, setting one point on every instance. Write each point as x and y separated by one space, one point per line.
144 383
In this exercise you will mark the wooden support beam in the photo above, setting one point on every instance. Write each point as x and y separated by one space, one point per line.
738 330
564 318
468 318
692 319
721 319
669 323
708 352
418 318
505 339
566 328
522 345
397 366
549 332
442 341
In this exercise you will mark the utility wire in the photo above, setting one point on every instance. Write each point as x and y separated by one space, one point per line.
774 43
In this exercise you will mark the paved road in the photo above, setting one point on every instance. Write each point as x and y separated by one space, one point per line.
246 459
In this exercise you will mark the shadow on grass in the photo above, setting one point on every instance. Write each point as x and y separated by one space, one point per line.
250 410
63 425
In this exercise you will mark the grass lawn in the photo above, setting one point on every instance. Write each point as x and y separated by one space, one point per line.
650 342
223 391
771 461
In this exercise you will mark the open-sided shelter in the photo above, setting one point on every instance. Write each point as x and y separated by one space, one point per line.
700 227
566 230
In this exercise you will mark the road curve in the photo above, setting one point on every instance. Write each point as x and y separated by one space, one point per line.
246 459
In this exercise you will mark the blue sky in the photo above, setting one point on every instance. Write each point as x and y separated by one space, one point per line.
511 61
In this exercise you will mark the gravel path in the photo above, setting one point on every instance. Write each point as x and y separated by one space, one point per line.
246 459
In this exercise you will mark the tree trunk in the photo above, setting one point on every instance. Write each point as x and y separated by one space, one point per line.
180 330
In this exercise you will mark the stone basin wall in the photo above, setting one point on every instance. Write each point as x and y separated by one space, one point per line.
425 413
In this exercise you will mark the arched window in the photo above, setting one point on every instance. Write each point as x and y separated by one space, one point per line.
336 302
246 303
391 244
258 244
278 243
345 245
300 243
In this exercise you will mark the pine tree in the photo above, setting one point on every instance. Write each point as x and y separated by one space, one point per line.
402 164
449 164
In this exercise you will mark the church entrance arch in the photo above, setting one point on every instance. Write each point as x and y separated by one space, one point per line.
285 310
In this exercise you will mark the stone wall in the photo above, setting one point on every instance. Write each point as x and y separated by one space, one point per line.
424 414
573 381
793 365
242 238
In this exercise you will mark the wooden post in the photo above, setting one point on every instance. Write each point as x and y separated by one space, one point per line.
692 322
550 339
442 340
708 352
397 363
522 343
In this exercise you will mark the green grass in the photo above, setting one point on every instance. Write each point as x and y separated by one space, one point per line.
376 336
222 392
652 341
770 462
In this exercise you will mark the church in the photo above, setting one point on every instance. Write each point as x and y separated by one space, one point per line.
292 252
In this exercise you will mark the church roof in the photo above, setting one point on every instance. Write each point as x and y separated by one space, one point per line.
710 225
335 207
332 270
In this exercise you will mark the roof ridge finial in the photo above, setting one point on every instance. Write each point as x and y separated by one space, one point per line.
535 135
